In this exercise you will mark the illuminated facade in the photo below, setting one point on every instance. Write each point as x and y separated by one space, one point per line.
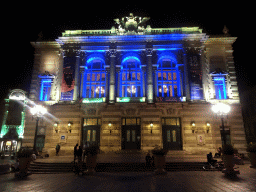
13 124
134 87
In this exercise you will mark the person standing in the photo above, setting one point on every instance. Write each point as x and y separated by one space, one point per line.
57 149
79 156
75 151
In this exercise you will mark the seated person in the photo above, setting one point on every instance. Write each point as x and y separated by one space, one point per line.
218 154
210 159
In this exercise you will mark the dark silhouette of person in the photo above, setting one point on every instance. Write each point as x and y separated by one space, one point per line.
75 151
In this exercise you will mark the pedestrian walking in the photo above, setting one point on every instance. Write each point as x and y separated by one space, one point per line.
75 151
57 149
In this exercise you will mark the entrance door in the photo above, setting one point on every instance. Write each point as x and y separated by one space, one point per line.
91 135
131 137
171 134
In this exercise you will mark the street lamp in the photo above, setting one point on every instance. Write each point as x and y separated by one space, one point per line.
37 111
221 109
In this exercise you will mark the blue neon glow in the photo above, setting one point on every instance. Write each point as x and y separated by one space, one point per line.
167 55
220 87
95 57
45 89
131 76
168 76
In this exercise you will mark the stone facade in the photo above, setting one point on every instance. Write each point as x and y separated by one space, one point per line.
197 60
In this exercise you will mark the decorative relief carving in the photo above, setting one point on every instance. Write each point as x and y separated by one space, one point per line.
131 111
91 111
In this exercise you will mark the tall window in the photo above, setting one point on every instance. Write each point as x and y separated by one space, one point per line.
220 87
131 78
168 79
94 79
45 88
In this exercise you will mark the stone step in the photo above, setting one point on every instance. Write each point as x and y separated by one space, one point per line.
115 167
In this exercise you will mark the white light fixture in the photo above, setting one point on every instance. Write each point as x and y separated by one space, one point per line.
221 109
38 110
132 90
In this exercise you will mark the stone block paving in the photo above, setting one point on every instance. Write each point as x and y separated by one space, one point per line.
131 181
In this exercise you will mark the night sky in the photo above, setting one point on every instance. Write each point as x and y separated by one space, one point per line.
22 22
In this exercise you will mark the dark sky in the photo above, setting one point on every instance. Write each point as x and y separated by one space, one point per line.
22 22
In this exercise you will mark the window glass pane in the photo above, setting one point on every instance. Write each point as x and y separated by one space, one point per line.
164 76
174 76
103 77
93 135
169 76
173 121
128 135
133 135
123 76
98 77
163 123
175 90
91 121
170 91
168 136
159 76
130 121
93 76
88 76
92 92
168 121
173 135
88 135
138 121
178 121
138 76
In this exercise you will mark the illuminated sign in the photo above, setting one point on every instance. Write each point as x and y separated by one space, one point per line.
94 100
171 99
130 99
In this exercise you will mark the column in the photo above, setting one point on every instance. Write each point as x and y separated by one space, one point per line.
82 69
77 75
186 76
150 98
112 78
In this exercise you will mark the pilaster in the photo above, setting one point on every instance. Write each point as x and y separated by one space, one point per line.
149 52
112 78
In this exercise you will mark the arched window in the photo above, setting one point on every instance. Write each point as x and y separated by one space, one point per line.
94 78
168 78
131 77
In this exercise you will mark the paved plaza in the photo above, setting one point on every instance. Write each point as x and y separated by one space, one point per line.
131 181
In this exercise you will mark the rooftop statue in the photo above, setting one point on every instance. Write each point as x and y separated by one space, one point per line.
131 23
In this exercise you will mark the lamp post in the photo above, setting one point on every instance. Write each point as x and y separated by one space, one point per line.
37 111
221 109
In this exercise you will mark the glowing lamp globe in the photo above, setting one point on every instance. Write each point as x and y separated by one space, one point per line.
221 109
38 110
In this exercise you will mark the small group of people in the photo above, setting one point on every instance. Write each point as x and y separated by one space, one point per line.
80 156
236 159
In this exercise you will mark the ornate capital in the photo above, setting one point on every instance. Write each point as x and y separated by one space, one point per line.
112 52
149 51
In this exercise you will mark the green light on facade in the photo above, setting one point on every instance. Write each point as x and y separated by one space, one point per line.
130 99
94 100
